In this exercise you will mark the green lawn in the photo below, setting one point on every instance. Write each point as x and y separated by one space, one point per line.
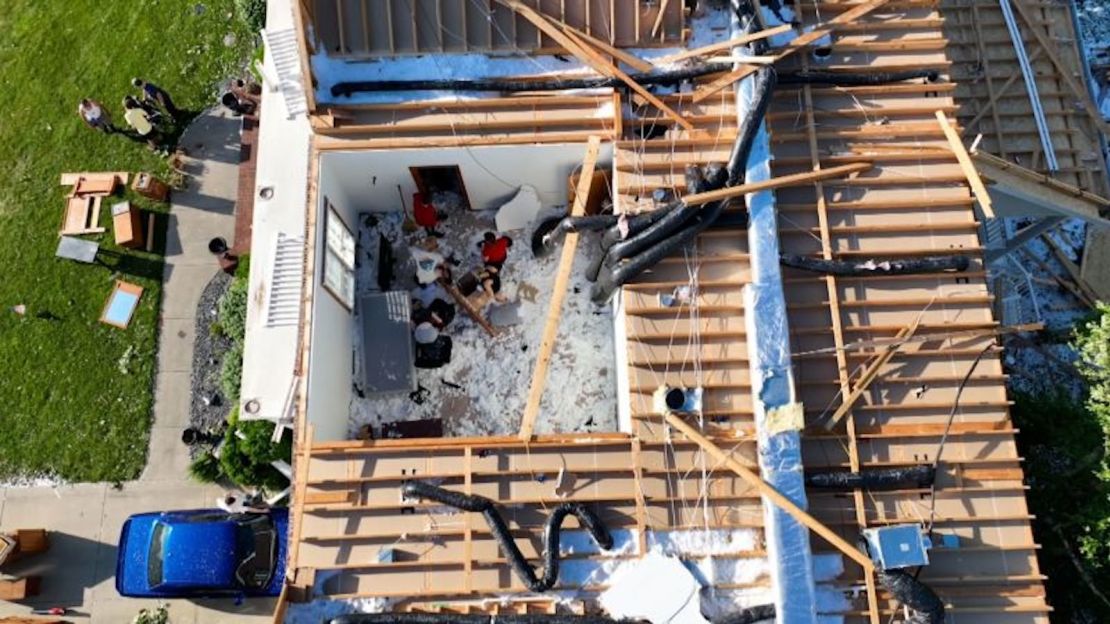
72 403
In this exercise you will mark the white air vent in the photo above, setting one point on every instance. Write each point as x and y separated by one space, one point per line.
284 306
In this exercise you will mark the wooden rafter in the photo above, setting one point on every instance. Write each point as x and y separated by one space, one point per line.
769 491
558 294
799 42
576 46
837 324
1079 91
870 374
723 46
972 174
631 60
794 179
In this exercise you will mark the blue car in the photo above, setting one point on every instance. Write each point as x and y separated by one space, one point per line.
202 553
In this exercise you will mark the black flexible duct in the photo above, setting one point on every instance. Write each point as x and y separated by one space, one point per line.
675 217
511 84
501 533
926 606
804 77
877 479
905 266
609 281
715 176
551 232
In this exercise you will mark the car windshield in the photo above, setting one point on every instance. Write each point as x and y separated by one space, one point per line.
154 561
257 550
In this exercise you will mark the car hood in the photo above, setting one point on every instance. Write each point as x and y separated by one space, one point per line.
134 549
200 554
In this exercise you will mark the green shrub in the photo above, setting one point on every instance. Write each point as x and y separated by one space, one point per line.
258 442
231 373
246 460
243 271
215 329
232 311
205 468
253 13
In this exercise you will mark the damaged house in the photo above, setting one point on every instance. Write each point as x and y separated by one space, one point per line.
713 278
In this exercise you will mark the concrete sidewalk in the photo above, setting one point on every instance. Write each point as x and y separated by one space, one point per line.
84 520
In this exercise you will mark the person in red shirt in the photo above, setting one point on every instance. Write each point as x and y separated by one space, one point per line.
426 215
495 249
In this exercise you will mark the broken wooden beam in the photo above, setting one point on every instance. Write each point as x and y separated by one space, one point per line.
558 294
1073 271
578 48
618 54
870 373
723 46
794 179
768 491
974 181
465 304
799 42
966 333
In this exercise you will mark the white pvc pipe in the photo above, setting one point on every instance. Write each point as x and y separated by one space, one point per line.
1030 85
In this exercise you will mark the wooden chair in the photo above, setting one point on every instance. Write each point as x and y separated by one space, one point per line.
28 542
82 211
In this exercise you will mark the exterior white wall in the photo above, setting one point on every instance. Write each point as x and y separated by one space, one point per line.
491 174
332 348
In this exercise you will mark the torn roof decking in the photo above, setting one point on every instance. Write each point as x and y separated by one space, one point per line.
914 203
992 94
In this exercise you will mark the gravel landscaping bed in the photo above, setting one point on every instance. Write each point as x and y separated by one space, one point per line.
209 407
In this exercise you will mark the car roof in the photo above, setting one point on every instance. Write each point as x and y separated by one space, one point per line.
199 554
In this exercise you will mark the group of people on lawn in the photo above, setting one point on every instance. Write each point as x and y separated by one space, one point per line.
432 312
148 116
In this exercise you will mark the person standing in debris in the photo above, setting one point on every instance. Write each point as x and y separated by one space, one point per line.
429 262
140 122
96 116
495 249
153 94
482 286
426 215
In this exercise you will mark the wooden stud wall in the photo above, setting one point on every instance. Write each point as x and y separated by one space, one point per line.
376 28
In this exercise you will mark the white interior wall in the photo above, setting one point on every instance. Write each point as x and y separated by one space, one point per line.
491 174
332 340
366 181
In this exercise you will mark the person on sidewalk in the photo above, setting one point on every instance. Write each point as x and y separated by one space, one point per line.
236 503
140 122
96 116
495 249
153 94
